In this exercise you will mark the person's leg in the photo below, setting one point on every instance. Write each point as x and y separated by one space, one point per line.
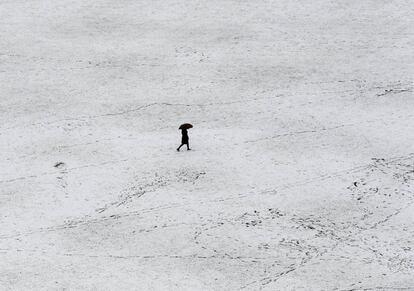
188 146
178 149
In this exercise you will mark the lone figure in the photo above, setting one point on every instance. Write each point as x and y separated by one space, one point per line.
184 138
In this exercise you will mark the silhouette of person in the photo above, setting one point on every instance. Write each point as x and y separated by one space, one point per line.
184 139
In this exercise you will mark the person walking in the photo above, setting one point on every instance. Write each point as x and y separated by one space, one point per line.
184 136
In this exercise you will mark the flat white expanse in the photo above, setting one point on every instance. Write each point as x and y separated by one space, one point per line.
302 170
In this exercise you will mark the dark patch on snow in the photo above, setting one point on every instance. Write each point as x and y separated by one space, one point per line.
59 165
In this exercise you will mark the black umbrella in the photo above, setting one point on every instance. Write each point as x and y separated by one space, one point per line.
185 126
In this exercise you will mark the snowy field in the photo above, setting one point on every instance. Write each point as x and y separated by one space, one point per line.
301 175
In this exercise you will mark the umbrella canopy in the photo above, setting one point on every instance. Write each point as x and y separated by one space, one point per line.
185 126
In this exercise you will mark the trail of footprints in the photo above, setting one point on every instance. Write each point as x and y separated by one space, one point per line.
273 242
384 181
152 184
281 241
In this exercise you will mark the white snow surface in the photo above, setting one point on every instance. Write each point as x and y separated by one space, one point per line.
301 175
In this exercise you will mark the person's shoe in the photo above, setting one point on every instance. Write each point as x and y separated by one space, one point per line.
188 149
178 150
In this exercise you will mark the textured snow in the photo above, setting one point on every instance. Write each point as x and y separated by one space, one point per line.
302 170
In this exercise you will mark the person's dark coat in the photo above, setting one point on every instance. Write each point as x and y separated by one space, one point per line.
184 138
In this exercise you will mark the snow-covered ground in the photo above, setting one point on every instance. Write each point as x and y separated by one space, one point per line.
302 170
